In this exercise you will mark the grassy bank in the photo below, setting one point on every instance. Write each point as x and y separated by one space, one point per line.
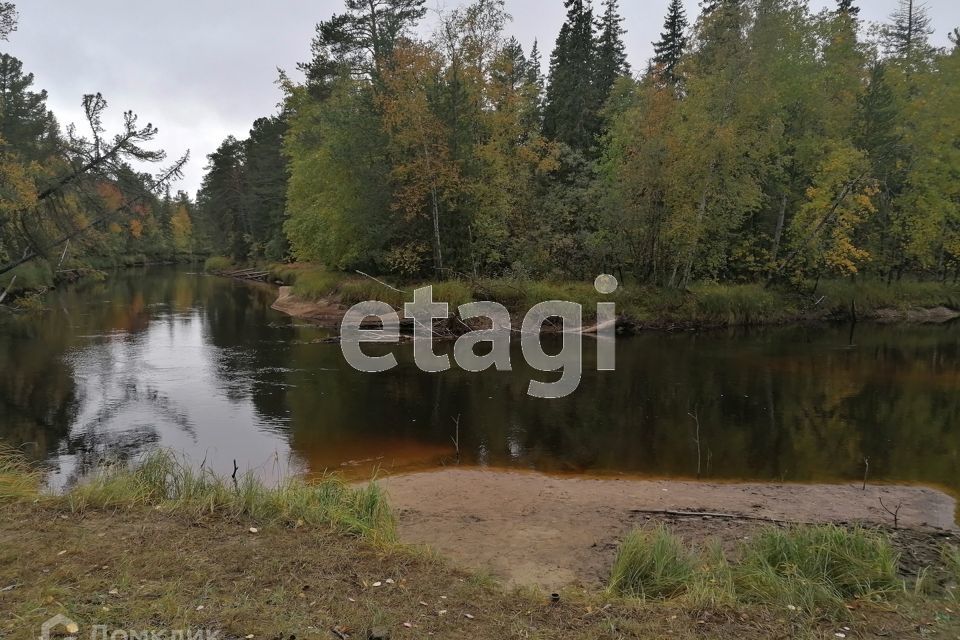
702 305
160 546
817 570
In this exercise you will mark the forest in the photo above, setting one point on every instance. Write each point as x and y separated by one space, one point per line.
762 143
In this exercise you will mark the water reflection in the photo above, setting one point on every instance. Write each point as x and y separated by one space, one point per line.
202 365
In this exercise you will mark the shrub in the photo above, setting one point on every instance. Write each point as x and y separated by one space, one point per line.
215 264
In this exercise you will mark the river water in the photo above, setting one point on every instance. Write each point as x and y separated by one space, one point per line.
202 365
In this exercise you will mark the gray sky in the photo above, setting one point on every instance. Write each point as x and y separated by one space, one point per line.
204 69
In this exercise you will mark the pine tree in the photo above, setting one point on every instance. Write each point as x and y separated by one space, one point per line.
611 56
673 42
569 114
8 19
360 39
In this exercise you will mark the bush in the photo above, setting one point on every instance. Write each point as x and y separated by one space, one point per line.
217 264
651 564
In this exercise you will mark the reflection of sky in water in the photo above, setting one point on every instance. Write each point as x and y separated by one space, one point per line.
168 386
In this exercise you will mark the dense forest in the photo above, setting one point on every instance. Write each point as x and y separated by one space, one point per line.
763 142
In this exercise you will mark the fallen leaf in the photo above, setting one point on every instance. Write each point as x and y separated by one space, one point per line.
199 607
72 628
468 616
62 552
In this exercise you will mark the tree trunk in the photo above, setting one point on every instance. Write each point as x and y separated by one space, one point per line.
778 236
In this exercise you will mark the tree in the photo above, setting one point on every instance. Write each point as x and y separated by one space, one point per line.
266 176
611 53
85 184
8 19
222 197
669 50
906 36
424 174
848 8
571 102
364 36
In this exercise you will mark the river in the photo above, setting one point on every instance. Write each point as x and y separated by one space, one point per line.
170 358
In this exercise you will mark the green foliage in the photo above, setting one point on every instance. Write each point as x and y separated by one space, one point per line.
873 295
766 145
669 50
651 564
32 276
218 264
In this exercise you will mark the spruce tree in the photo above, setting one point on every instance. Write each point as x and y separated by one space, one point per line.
570 112
848 8
906 36
673 42
611 56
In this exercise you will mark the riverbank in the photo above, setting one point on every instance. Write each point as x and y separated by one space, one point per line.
548 531
166 548
324 296
38 276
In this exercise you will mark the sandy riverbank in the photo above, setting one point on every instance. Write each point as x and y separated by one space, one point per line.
540 530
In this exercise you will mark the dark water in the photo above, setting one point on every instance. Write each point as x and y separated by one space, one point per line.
202 365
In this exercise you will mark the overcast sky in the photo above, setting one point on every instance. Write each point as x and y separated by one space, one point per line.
204 69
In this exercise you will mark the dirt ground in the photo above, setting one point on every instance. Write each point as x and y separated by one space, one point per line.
532 529
323 312
144 569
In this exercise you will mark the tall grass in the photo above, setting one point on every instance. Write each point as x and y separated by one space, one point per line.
161 480
951 562
873 295
816 568
18 480
812 569
651 563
